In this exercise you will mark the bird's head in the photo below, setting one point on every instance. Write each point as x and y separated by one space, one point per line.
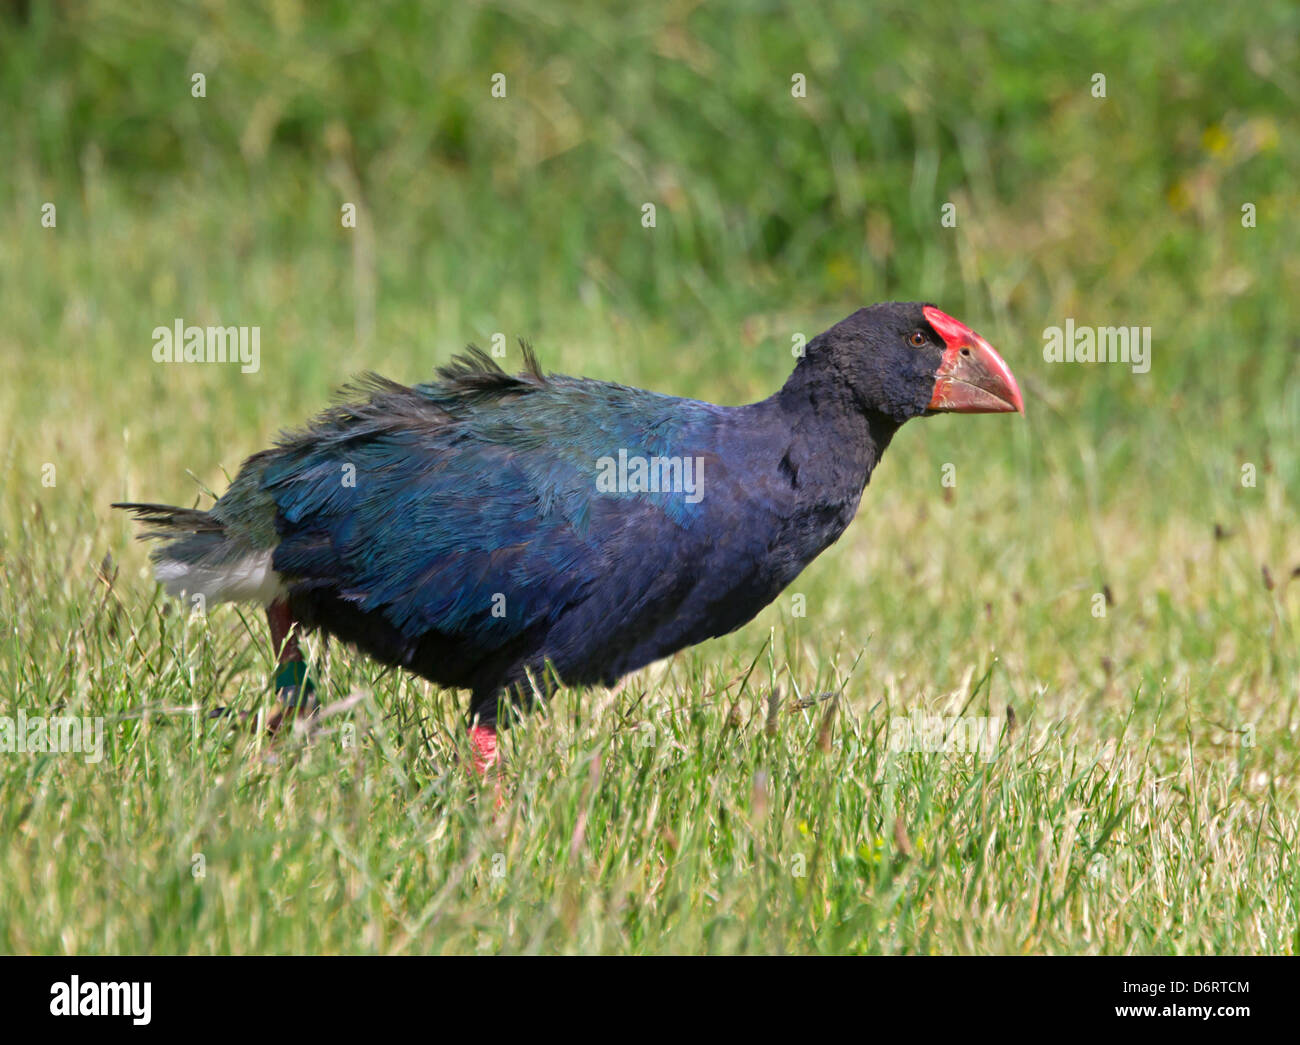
909 359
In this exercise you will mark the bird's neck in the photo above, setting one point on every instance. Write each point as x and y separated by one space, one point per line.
836 438
813 448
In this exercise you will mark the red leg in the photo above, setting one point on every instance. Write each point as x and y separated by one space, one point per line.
284 632
483 745
291 683
487 759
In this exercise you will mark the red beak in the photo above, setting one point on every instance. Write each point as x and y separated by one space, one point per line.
972 378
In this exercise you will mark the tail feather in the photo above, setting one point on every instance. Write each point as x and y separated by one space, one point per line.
168 520
199 556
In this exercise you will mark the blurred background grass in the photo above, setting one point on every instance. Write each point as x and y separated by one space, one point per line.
776 216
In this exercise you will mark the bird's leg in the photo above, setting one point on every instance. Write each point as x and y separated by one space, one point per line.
483 748
486 758
292 685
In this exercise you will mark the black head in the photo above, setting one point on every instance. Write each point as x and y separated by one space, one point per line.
908 359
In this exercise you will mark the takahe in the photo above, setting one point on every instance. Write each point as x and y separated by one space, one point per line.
489 531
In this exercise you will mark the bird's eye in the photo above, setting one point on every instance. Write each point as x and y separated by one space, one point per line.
917 339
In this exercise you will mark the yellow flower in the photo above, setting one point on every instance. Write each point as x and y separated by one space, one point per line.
1215 140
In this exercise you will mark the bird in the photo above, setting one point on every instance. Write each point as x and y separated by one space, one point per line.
487 529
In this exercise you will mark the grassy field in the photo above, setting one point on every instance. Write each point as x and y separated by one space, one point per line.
1112 583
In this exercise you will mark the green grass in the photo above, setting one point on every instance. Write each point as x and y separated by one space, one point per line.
1146 800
